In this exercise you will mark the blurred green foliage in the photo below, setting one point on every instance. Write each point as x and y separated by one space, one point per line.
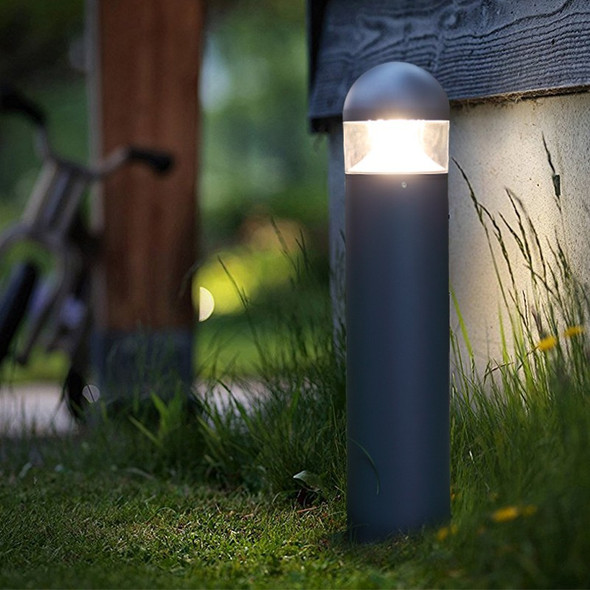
37 36
41 54
257 150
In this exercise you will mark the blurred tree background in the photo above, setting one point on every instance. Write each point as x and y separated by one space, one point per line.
262 184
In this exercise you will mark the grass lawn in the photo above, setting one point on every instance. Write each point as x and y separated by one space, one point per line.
172 499
62 528
210 500
103 510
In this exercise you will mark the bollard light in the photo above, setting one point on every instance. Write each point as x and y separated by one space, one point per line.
396 129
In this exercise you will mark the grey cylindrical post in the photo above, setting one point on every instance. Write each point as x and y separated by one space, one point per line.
397 324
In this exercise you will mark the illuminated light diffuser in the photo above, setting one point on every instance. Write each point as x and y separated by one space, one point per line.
396 146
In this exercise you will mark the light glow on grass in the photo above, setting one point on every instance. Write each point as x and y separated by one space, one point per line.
240 274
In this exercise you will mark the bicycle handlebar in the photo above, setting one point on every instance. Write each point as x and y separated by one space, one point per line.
159 161
11 100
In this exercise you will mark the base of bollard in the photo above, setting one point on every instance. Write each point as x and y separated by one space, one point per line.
384 531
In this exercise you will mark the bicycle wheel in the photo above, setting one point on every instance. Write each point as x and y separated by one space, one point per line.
14 302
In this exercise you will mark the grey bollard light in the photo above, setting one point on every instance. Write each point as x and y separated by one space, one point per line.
396 128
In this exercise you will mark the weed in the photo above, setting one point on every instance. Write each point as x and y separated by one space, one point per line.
292 419
520 429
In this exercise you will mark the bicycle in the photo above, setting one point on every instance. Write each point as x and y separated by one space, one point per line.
53 311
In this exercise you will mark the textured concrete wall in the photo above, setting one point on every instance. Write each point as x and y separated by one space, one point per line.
499 146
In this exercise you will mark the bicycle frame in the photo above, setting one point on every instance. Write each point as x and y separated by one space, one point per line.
47 221
58 315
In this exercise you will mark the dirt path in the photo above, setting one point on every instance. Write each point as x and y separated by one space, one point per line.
33 408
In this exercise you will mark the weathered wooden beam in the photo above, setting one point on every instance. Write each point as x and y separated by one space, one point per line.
476 48
148 55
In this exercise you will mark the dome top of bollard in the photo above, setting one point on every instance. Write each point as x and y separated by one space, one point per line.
396 90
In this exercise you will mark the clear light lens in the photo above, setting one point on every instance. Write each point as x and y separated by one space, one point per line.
396 147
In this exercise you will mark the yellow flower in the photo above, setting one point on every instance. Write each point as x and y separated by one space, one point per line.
505 514
445 531
547 343
509 513
573 331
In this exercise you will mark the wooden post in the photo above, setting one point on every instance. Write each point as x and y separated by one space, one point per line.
145 92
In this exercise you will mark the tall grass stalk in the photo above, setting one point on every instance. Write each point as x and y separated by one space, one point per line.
521 428
290 420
